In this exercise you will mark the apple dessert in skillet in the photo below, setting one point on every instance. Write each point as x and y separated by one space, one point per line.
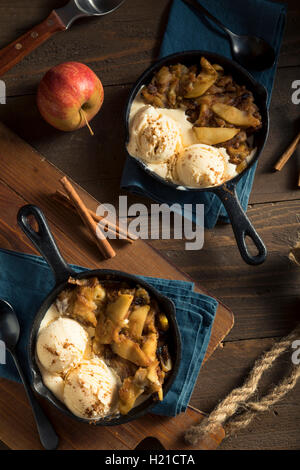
102 348
193 125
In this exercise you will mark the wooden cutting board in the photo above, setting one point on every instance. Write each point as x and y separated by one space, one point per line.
26 177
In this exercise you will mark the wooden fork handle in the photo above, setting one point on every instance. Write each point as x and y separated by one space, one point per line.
17 50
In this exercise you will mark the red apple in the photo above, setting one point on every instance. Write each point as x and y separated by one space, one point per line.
69 95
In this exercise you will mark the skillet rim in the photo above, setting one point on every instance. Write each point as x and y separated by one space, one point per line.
146 406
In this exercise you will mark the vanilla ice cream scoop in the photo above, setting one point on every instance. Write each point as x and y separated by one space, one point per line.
154 137
91 390
203 166
61 345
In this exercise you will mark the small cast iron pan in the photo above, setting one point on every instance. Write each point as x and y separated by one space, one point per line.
241 225
44 242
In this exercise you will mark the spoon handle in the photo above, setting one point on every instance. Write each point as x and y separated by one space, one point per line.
197 6
21 47
48 436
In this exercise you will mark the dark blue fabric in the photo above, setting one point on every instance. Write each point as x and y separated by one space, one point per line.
26 280
186 30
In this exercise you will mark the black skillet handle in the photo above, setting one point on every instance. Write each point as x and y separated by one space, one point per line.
241 225
43 241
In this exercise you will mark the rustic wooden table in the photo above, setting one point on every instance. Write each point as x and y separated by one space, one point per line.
265 299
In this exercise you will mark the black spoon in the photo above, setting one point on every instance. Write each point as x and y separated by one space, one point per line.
250 51
9 334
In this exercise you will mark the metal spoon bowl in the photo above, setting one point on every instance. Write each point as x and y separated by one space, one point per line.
250 51
9 334
98 7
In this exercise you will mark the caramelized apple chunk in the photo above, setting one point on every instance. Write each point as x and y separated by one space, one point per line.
130 350
113 319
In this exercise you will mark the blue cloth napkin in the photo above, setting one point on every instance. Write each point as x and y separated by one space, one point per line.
25 280
186 30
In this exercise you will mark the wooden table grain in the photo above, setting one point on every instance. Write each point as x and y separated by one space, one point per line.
265 299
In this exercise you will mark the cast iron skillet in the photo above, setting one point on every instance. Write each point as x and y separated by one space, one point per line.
241 225
44 242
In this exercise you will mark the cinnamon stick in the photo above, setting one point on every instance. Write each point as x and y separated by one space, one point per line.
107 225
287 154
102 243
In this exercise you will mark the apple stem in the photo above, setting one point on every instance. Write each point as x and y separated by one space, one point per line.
86 121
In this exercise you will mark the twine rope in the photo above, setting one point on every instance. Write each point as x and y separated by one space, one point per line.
238 399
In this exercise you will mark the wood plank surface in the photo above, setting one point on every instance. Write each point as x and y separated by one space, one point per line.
118 46
20 432
103 155
266 299
26 177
